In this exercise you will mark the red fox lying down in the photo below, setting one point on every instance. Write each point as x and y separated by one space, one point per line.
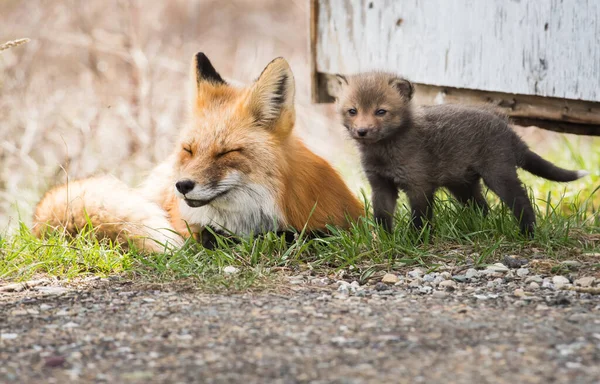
237 166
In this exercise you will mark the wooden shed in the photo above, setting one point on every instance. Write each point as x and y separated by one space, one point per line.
539 60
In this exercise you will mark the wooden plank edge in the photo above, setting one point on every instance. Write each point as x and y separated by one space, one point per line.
561 115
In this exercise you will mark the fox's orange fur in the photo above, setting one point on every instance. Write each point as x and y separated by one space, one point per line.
236 166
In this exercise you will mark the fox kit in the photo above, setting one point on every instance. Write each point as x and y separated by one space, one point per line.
418 149
237 166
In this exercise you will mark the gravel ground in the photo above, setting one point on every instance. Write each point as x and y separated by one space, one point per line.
488 326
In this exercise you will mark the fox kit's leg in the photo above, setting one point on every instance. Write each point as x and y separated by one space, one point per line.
470 193
421 206
511 191
385 195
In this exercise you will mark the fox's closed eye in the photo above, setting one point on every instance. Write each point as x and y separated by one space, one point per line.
223 153
188 150
380 112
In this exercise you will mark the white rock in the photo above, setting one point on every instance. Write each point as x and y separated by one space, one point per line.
519 292
585 281
560 281
8 336
389 278
547 283
446 275
52 290
344 288
71 324
417 272
430 277
522 272
498 267
439 294
448 284
425 290
535 278
320 281
573 264
230 270
534 286
471 273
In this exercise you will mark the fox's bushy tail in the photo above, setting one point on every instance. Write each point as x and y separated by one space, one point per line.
114 210
535 164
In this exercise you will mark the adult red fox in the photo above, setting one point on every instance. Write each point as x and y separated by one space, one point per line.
237 166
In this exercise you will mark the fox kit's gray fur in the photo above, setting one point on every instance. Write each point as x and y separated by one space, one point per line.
420 148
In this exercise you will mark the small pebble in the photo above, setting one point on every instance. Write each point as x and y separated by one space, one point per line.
8 336
320 282
230 270
560 281
514 261
534 286
425 290
498 267
535 278
54 361
519 292
430 277
448 284
446 275
439 294
522 272
417 272
389 278
471 273
344 289
460 278
571 264
547 283
381 287
585 281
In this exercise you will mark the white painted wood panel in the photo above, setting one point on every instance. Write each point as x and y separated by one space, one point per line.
529 47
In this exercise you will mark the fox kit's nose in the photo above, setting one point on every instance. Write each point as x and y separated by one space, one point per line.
362 132
184 186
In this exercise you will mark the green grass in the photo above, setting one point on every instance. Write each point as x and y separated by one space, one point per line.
462 235
568 228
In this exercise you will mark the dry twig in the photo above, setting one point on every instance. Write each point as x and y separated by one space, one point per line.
13 43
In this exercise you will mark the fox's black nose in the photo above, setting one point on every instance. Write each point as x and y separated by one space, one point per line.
362 132
184 186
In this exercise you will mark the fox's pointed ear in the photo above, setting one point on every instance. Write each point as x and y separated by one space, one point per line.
404 87
273 92
204 71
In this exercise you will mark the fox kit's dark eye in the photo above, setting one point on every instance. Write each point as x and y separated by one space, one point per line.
352 112
380 112
188 150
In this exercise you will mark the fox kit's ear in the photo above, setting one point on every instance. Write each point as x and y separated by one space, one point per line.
404 87
204 71
337 85
273 92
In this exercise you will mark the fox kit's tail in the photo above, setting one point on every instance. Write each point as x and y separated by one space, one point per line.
535 164
114 210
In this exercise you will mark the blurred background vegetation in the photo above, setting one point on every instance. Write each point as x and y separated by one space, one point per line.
101 88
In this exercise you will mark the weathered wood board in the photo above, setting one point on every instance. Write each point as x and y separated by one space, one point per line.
547 50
